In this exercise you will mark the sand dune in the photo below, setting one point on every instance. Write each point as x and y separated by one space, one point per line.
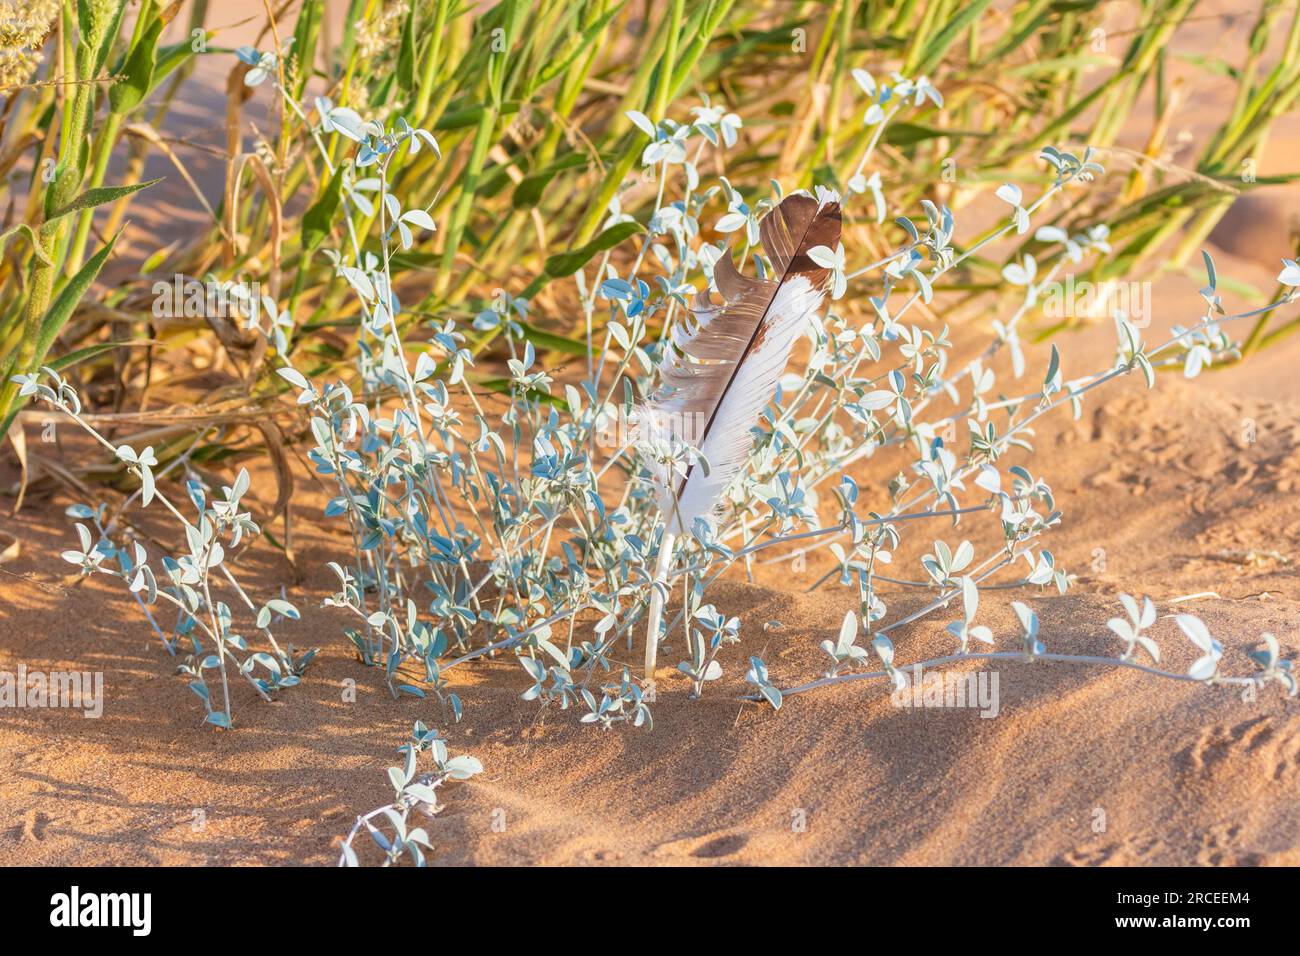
1081 766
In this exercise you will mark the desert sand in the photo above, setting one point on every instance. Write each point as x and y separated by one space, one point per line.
1183 774
1082 765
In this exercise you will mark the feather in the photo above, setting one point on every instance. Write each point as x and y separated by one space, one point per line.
723 362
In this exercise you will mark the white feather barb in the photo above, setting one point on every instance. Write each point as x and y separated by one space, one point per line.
723 362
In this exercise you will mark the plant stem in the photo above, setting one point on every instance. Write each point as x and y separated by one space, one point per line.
1009 656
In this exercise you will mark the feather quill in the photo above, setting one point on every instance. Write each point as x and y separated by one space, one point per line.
721 367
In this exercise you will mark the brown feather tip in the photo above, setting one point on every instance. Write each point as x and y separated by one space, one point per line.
796 225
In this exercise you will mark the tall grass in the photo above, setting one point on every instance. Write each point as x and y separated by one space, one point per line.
530 102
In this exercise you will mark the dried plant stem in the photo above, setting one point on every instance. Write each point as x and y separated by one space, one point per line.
1010 656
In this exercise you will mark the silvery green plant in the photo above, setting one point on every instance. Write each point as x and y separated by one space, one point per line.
389 827
530 532
478 534
1270 667
205 631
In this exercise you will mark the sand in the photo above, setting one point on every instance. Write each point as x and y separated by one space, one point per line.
1081 766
